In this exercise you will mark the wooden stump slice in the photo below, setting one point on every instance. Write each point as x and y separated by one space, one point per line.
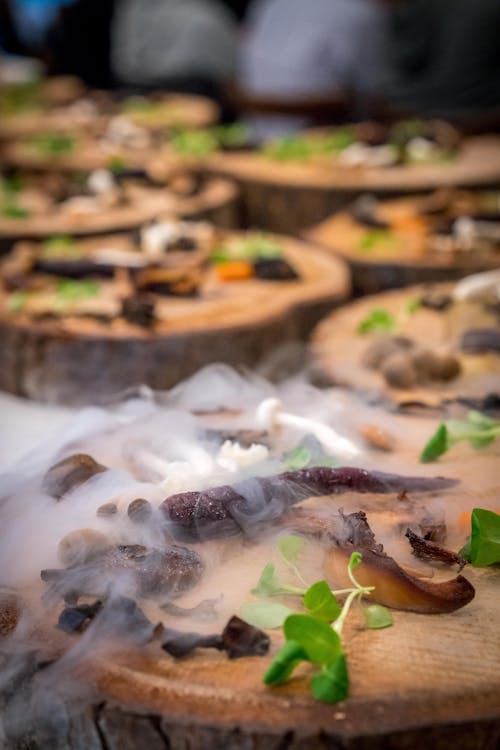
297 195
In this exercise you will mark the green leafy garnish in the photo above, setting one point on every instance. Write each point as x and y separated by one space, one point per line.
302 147
13 211
374 238
290 546
412 305
54 144
311 637
232 136
377 617
331 683
483 547
265 614
116 165
284 663
61 245
194 142
269 584
249 248
478 429
298 458
321 603
379 320
320 642
17 301
69 290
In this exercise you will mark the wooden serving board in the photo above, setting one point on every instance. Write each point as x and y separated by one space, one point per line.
338 349
175 111
217 202
430 680
240 323
297 195
404 258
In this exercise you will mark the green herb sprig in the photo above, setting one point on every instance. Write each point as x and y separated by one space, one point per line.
381 320
313 636
54 144
483 546
316 637
478 430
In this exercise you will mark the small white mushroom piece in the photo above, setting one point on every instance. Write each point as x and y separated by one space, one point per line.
271 415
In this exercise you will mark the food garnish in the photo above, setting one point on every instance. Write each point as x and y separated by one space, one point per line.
54 144
316 637
483 546
478 429
378 320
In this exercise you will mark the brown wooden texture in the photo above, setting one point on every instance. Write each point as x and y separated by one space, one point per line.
240 323
217 202
338 349
402 260
284 196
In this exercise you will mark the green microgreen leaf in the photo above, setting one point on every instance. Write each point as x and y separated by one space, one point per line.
485 538
269 584
436 446
412 305
13 211
116 165
379 320
374 238
331 683
298 458
265 614
290 547
194 143
478 429
17 301
320 642
377 617
54 144
69 289
321 603
284 663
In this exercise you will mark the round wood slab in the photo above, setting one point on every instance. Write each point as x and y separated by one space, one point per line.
80 360
297 195
172 110
338 348
403 258
429 679
216 201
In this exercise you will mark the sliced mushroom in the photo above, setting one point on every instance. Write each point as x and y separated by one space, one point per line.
393 586
396 588
70 473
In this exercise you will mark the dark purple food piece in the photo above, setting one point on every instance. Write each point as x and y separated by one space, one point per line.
73 268
222 511
274 269
139 310
425 549
238 639
180 644
70 473
154 572
242 639
481 340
